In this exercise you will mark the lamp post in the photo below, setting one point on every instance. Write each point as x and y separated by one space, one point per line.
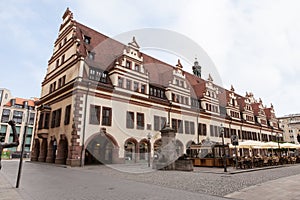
149 148
277 134
224 154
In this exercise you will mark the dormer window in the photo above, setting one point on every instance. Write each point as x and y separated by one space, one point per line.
98 75
137 68
87 39
233 102
181 83
128 64
91 55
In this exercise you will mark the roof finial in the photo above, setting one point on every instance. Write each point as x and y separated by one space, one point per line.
179 64
134 44
232 88
210 78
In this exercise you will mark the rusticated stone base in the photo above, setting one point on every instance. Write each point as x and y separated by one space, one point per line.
184 165
73 162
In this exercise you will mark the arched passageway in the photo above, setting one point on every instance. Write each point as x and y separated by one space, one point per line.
179 148
52 150
62 151
101 148
144 149
130 150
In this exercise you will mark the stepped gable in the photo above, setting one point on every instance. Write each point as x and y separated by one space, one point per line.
108 51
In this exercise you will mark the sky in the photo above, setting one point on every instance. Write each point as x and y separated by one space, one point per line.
255 45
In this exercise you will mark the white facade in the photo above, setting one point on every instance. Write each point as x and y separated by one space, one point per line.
99 104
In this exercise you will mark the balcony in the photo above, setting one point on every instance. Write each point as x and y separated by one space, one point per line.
43 133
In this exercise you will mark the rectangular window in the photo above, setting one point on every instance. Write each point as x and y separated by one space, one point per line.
95 114
140 120
128 84
137 68
216 131
136 86
211 129
17 116
202 129
41 120
29 131
5 115
187 127
31 118
120 82
130 119
143 89
163 122
128 64
156 123
106 116
63 58
180 126
57 63
174 124
3 133
186 101
192 128
53 119
98 75
47 120
92 74
67 115
58 117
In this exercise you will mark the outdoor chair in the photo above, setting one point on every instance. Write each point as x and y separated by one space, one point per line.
266 161
293 160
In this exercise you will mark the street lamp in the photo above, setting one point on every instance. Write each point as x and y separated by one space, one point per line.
149 148
277 134
224 154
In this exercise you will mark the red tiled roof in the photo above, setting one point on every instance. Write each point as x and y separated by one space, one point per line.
20 101
109 50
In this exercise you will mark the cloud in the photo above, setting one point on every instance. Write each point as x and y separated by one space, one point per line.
255 44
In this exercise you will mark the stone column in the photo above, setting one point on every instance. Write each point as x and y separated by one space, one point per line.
35 150
43 150
167 153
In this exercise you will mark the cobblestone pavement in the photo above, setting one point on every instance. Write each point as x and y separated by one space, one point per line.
41 181
48 182
211 181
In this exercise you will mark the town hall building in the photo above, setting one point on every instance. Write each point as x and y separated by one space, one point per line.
105 102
